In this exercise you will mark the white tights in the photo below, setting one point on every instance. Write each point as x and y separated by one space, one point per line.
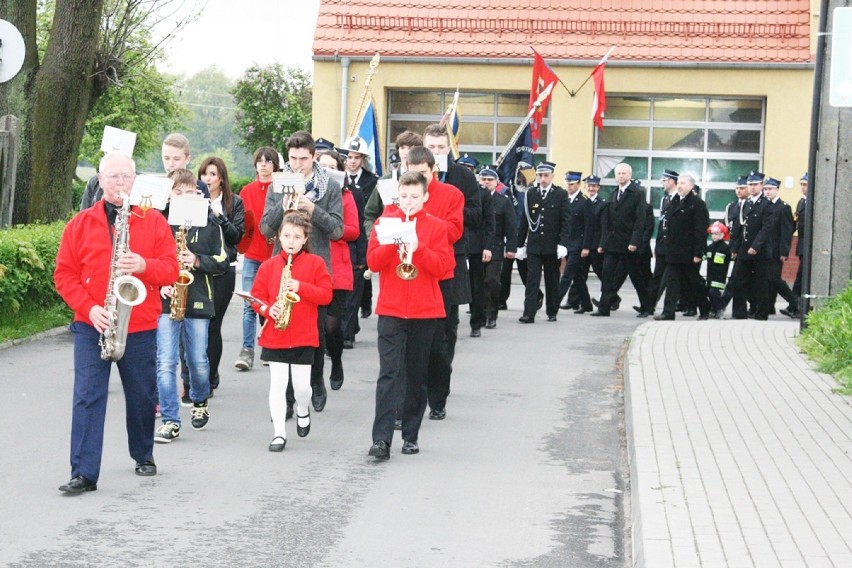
278 377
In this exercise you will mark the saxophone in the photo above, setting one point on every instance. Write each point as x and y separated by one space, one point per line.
177 307
123 292
285 299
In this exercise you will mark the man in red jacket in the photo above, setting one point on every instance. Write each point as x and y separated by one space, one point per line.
82 276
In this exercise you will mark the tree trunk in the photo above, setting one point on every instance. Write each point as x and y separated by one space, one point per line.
16 96
63 86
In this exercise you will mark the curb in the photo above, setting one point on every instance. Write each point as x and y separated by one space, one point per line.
49 333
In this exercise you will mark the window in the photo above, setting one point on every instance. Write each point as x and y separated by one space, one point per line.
714 139
487 120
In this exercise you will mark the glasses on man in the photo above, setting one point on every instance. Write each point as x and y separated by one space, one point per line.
114 177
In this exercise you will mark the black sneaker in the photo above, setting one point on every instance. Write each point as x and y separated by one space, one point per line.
185 401
167 432
379 450
437 414
200 415
409 448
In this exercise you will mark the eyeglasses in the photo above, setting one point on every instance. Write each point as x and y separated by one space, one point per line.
122 177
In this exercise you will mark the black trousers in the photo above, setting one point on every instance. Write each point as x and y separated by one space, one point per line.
442 349
536 264
476 270
777 285
574 278
683 281
656 287
506 279
223 291
616 268
750 281
367 296
404 346
350 323
493 287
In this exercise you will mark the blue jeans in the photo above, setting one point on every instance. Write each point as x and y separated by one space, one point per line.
194 331
249 316
91 382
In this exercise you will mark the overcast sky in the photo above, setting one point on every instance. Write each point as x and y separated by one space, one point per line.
233 35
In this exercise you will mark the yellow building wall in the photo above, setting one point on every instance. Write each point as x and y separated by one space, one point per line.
788 94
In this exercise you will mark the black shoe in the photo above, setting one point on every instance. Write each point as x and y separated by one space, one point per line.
78 485
437 414
551 318
599 314
348 344
366 312
526 319
277 444
642 314
289 413
490 323
397 424
639 309
336 377
664 317
566 307
704 317
146 468
503 306
540 299
409 448
582 311
303 431
790 313
715 315
319 397
615 305
596 303
690 314
379 450
476 332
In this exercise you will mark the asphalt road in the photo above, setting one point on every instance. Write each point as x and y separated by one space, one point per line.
528 469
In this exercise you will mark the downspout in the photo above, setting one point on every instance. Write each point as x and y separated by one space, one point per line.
344 97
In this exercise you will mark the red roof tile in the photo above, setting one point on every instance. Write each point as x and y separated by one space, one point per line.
756 31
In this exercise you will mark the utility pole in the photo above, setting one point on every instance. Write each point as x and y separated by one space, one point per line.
828 240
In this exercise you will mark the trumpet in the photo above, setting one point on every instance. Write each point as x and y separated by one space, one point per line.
405 269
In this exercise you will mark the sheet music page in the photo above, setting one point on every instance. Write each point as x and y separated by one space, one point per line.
285 182
388 191
157 188
118 140
188 208
393 231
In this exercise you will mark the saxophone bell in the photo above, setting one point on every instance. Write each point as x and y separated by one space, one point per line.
286 299
177 306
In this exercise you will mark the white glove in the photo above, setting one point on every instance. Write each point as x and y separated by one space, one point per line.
521 254
561 252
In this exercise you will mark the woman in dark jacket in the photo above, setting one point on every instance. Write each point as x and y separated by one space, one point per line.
229 213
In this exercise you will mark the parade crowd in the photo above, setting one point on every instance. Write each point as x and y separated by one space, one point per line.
151 295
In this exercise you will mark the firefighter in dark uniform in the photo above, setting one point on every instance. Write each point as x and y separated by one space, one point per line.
581 233
544 230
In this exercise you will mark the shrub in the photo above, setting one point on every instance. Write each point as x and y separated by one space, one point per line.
828 338
239 182
27 260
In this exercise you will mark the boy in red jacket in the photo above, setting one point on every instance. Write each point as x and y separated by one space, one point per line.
408 311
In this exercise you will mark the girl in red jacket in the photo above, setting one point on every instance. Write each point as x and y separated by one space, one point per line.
408 311
291 351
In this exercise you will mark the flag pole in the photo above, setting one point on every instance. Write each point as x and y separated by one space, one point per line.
536 105
601 62
557 76
374 63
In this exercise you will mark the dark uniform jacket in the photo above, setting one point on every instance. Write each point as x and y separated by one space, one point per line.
782 235
366 183
598 206
505 236
645 249
581 230
660 245
801 226
686 229
755 232
482 236
465 181
551 220
623 222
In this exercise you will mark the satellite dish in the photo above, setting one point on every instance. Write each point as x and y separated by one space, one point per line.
12 50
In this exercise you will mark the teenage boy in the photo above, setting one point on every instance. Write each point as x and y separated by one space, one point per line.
203 256
409 313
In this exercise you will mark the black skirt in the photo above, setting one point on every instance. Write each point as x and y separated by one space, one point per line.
293 356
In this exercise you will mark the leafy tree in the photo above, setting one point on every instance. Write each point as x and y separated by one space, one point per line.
272 103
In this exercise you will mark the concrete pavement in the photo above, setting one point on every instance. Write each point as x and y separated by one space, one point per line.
740 454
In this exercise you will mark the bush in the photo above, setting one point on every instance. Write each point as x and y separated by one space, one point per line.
27 260
239 182
828 338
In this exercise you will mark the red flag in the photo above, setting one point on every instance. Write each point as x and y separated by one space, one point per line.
542 77
599 101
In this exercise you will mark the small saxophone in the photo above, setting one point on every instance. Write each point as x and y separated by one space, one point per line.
285 299
177 307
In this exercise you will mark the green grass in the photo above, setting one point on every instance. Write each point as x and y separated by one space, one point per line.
828 339
31 321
